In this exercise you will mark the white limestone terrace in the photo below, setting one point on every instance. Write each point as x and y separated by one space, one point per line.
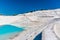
34 23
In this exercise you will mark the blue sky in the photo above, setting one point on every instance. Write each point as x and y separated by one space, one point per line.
11 7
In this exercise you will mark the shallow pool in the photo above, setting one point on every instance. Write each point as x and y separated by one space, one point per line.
9 31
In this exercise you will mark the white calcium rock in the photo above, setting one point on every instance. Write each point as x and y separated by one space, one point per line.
57 29
34 22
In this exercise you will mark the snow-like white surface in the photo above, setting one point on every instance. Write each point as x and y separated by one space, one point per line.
8 19
34 23
48 33
57 29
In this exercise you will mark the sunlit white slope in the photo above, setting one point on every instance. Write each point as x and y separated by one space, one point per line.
34 22
57 29
8 19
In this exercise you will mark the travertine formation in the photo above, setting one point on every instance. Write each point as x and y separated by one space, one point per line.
35 23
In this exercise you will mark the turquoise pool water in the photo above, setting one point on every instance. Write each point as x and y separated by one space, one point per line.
9 31
5 29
